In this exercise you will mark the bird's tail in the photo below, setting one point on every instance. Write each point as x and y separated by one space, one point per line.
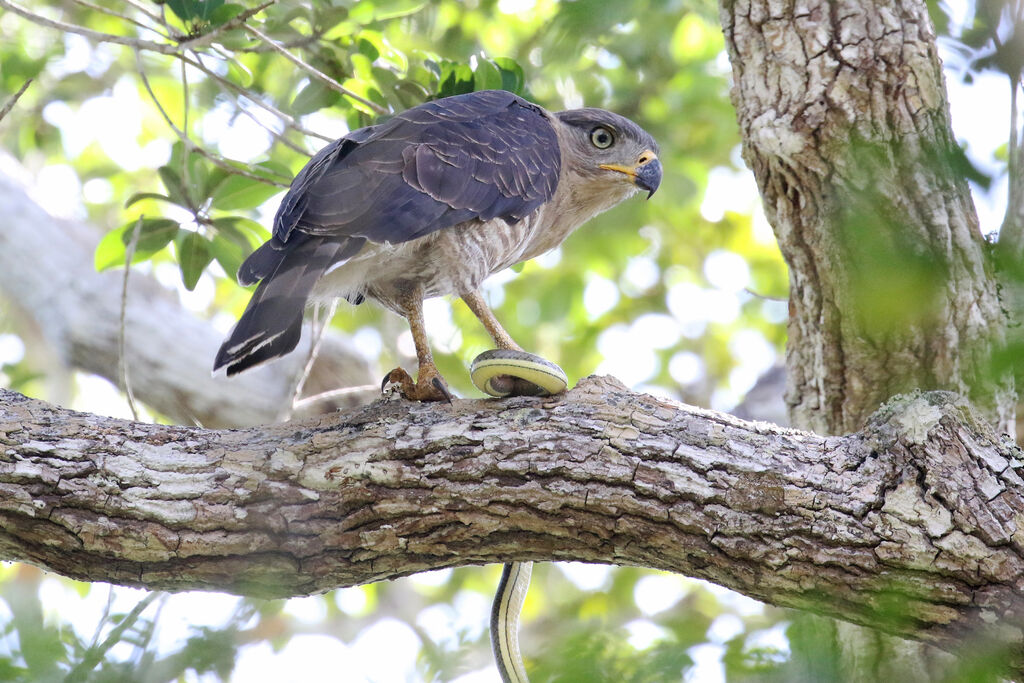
271 325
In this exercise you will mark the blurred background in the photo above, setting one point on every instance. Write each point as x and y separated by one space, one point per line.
683 296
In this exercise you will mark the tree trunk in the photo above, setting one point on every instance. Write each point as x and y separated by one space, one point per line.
845 123
911 525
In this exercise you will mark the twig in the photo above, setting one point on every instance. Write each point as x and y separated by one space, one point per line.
215 159
304 41
137 43
765 297
103 618
185 139
333 393
235 22
242 92
121 333
145 10
314 351
9 105
110 12
279 136
93 655
319 75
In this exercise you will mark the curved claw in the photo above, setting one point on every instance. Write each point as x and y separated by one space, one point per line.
430 387
505 372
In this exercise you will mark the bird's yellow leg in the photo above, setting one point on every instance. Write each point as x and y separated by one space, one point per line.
483 312
429 385
510 371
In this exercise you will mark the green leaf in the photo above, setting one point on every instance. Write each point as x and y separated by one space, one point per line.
214 180
239 73
194 254
199 170
239 192
455 79
362 12
139 196
184 9
224 14
175 188
154 235
246 233
368 49
229 254
313 97
487 76
512 77
272 170
110 252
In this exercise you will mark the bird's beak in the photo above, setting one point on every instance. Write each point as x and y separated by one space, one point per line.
646 174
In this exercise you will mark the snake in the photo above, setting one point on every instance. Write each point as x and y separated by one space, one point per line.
501 373
506 372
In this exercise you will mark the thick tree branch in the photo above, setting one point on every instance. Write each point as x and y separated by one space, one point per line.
912 525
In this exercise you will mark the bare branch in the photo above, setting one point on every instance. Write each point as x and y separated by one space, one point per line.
234 23
13 100
238 90
214 158
331 395
112 13
93 655
122 357
136 43
319 329
156 18
276 134
313 71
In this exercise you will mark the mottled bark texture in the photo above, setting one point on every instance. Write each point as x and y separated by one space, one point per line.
913 525
845 123
47 273
843 113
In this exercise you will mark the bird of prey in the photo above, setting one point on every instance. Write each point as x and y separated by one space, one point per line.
430 203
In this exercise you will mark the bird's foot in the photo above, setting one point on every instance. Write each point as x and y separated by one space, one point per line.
428 387
508 372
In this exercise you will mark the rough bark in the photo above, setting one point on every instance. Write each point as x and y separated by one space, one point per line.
46 270
845 123
912 525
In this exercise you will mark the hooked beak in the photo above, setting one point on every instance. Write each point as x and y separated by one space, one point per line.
646 174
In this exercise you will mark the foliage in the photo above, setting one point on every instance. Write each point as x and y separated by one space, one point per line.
691 295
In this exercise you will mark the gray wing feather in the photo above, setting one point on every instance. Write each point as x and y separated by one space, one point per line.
477 156
483 155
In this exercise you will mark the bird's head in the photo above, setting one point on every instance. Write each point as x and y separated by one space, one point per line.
611 152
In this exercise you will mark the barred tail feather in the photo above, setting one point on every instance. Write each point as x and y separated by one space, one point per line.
271 325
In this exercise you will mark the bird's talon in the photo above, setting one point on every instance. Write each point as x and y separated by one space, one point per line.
430 386
398 379
440 386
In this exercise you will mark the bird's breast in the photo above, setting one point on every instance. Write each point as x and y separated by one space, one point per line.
450 261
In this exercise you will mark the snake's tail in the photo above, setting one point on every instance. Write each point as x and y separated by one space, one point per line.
508 603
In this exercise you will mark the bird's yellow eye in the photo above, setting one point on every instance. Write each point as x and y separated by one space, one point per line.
602 138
